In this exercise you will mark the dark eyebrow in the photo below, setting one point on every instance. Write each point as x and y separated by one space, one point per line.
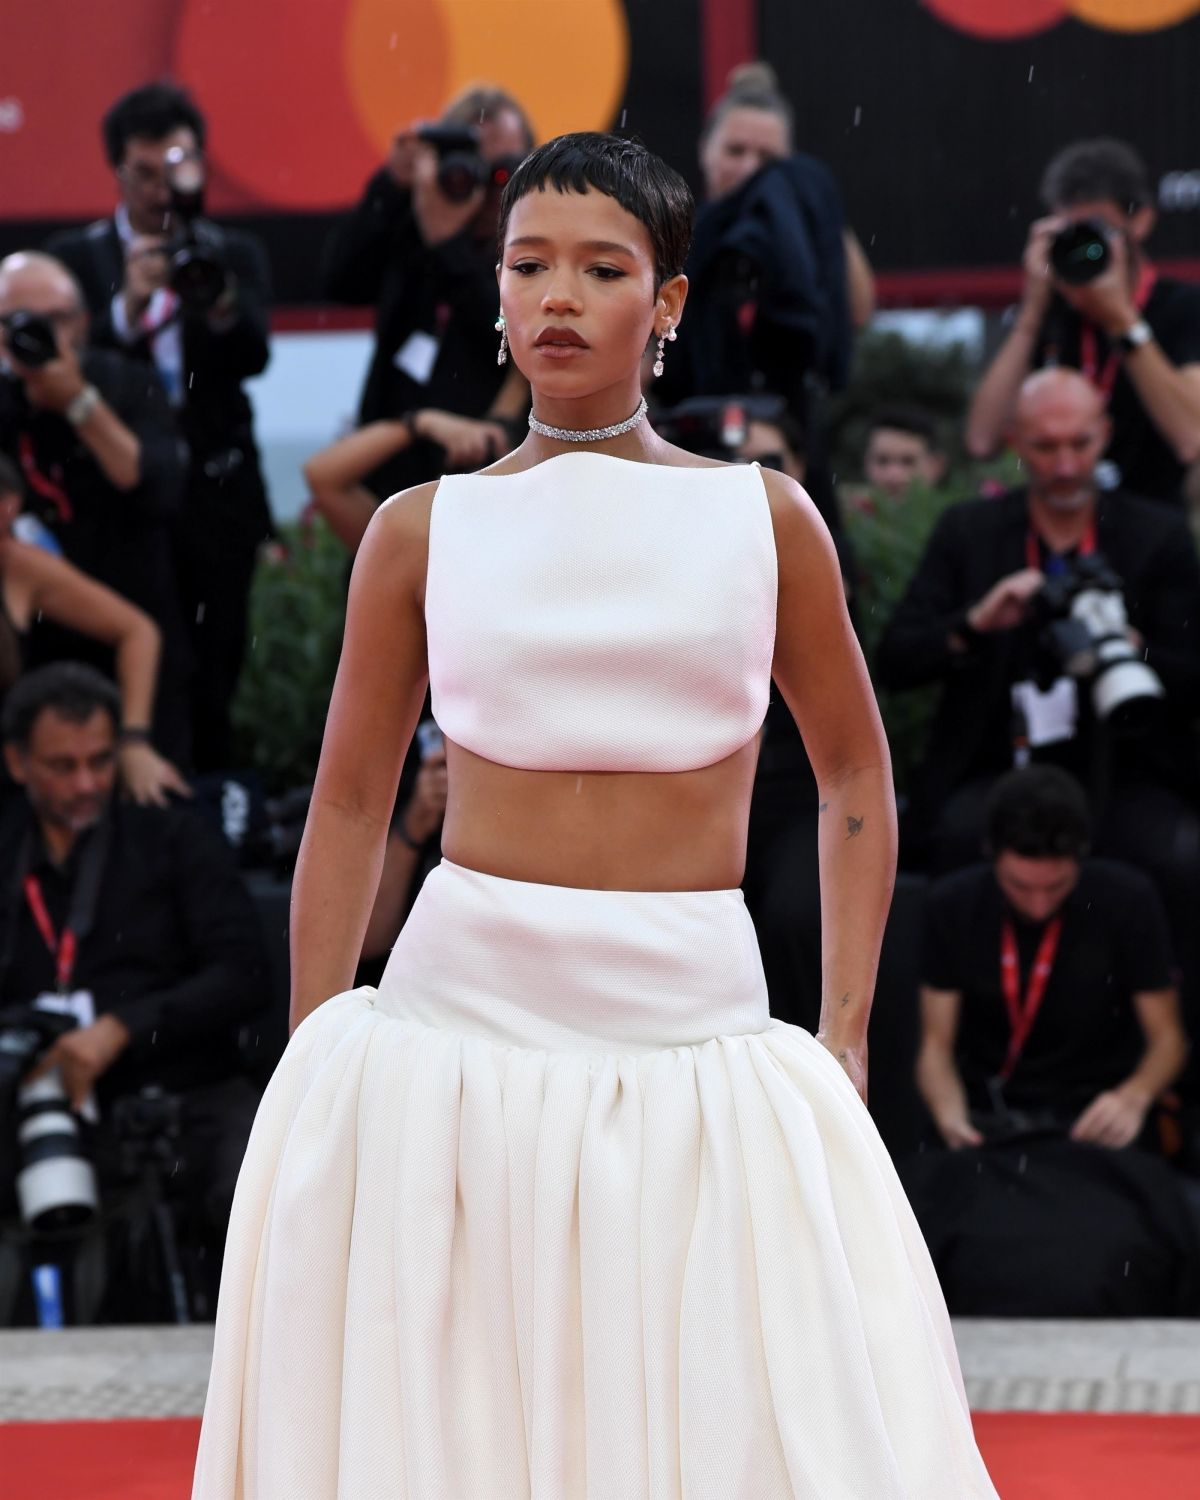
603 247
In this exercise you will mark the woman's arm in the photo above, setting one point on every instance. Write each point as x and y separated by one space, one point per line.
860 281
335 474
821 674
376 702
50 586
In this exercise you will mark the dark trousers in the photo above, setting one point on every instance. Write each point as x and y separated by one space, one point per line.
1150 827
217 536
783 894
1048 1228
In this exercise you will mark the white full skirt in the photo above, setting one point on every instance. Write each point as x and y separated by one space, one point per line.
558 1212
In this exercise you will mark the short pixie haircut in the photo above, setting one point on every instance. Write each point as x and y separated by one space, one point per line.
642 183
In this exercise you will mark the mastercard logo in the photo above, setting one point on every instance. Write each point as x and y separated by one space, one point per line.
303 97
999 19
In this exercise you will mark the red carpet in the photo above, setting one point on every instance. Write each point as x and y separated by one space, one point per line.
1082 1457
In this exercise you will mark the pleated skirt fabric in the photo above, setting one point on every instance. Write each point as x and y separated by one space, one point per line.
560 1211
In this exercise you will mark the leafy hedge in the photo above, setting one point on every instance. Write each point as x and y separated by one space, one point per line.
297 611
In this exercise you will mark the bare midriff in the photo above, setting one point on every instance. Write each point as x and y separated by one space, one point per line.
604 830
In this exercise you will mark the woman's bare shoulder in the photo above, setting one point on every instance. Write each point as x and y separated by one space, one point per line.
793 514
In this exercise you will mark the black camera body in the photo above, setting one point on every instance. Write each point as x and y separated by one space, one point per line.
198 274
1083 635
30 338
461 168
717 426
1082 251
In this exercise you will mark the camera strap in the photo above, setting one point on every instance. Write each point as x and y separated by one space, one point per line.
1033 547
1104 379
1021 1016
64 946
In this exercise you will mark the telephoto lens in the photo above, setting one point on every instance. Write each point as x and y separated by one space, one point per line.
1081 252
56 1183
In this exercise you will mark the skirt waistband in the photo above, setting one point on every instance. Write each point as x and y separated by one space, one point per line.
565 968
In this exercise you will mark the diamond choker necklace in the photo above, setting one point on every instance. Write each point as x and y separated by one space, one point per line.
588 434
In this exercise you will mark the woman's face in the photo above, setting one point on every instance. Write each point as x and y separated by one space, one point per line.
577 291
740 143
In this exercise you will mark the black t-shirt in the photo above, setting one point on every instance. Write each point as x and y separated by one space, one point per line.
1086 1037
1146 461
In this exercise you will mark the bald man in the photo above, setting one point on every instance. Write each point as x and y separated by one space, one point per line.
970 623
103 464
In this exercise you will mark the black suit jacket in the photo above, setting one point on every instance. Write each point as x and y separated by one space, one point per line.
216 417
973 546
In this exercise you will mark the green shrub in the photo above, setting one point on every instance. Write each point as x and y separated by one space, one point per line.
297 611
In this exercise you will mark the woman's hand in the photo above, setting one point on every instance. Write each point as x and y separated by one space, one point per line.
852 1058
468 442
148 777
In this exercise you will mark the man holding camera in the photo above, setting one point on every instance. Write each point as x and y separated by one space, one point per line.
103 465
138 913
1062 623
1050 1028
1093 300
421 246
171 287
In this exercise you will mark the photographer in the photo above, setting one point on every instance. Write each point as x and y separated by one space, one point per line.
1092 300
103 465
984 616
413 848
777 281
1050 1029
169 286
421 247
36 585
140 911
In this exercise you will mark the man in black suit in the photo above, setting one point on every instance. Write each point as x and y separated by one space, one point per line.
204 343
973 620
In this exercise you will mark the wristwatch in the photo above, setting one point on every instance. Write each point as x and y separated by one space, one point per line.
1135 336
80 407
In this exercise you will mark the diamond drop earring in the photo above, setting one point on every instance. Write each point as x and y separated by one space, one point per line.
663 340
502 330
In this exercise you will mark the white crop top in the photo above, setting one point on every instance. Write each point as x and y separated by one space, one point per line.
597 614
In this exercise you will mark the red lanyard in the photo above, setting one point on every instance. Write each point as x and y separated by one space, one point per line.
1021 1017
1089 353
1033 551
38 481
64 949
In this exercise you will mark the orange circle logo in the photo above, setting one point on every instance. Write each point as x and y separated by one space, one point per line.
303 100
1015 18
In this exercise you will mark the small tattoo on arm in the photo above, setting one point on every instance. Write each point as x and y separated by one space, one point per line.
854 826
824 807
845 1000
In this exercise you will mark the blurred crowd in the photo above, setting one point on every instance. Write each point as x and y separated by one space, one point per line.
1050 829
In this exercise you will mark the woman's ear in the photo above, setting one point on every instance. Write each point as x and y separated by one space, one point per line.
671 297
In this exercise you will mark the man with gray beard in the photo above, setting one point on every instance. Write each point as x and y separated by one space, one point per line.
995 613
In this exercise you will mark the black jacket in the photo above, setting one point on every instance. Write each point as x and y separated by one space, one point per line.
773 247
216 415
375 256
174 949
117 536
973 546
